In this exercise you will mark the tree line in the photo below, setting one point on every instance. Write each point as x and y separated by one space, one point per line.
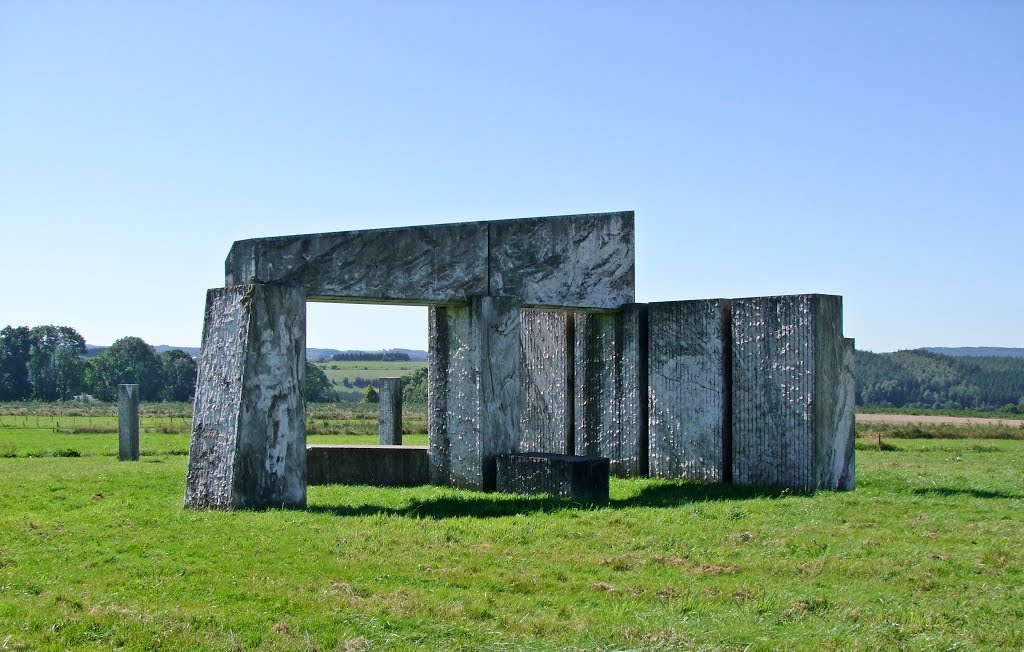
368 356
47 363
921 379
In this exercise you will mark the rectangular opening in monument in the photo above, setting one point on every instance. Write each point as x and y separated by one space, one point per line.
352 347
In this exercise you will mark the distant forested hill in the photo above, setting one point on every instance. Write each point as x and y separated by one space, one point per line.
977 351
922 378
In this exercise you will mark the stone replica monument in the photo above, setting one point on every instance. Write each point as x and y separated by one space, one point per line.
535 347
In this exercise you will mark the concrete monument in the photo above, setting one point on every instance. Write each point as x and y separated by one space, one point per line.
542 370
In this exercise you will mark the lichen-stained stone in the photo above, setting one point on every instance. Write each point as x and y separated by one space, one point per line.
390 421
611 388
689 392
569 261
445 263
791 405
248 446
128 422
474 389
547 381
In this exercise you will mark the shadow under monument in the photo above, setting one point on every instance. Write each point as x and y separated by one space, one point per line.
666 495
973 493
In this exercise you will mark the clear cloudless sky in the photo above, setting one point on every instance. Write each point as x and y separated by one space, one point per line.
870 149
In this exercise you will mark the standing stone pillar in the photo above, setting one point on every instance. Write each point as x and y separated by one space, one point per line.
689 390
792 399
128 422
248 446
548 347
390 411
474 390
611 388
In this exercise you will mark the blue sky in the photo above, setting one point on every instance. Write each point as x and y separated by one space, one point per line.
869 149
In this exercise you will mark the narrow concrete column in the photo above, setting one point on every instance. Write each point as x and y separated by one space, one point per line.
611 388
390 411
128 422
248 446
547 422
792 398
474 392
689 390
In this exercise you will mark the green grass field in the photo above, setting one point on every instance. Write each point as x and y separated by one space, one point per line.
97 554
371 370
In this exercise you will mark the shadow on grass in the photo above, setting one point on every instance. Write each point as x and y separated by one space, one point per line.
496 505
973 493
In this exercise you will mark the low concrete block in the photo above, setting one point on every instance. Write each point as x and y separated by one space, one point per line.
380 466
128 422
390 411
566 476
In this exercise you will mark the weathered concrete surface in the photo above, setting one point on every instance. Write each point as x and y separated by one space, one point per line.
547 344
249 427
577 260
473 398
565 261
689 391
611 388
791 406
390 411
836 458
128 422
380 466
565 476
443 263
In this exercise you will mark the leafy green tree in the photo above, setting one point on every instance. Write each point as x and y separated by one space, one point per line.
414 387
179 372
371 395
15 347
55 365
128 360
318 387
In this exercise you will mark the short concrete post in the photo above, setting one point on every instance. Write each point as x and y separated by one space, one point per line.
128 422
390 411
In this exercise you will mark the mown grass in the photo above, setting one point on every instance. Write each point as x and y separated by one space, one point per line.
337 372
925 554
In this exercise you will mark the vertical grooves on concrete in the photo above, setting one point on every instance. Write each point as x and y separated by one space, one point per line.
643 408
773 392
687 388
438 361
727 455
546 420
570 382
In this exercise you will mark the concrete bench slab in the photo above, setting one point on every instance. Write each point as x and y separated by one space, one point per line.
379 466
575 477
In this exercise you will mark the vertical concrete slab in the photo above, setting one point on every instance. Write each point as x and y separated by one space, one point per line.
474 390
611 388
128 422
689 392
634 403
390 411
789 399
248 446
547 382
